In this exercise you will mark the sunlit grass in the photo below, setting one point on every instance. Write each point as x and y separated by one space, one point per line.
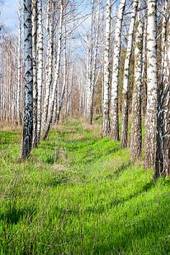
80 194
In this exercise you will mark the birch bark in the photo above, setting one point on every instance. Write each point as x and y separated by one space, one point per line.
56 75
115 72
63 90
50 59
93 51
136 130
39 67
124 138
166 162
163 125
152 86
19 88
106 82
28 77
34 56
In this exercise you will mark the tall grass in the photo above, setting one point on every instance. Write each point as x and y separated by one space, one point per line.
80 194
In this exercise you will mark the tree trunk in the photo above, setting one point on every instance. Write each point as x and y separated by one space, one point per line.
56 75
93 51
34 55
115 72
163 124
124 138
144 70
136 130
28 77
20 82
106 82
39 67
61 99
151 112
50 59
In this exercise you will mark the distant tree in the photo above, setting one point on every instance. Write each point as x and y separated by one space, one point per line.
106 81
52 98
136 129
92 63
124 137
50 58
115 71
20 67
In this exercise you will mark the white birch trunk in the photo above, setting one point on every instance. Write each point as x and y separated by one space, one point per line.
136 130
152 86
124 138
28 77
39 67
63 90
56 75
92 63
34 55
144 69
106 81
166 162
163 124
115 72
19 88
50 58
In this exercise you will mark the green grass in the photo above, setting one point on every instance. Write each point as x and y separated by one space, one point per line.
80 194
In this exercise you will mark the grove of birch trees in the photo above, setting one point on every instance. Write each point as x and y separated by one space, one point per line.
109 63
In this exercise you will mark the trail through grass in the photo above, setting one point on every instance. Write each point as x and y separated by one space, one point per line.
80 194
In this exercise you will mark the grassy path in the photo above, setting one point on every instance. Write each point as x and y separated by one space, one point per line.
79 194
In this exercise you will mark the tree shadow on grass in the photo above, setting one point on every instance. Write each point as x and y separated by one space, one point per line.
58 180
156 220
99 209
66 211
48 146
92 151
7 138
50 160
66 132
144 189
13 215
92 157
119 170
78 144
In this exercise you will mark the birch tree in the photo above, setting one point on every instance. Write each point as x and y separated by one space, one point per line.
115 72
28 78
136 130
93 51
52 99
106 81
9 81
39 67
65 72
163 125
124 138
50 58
20 76
151 111
34 56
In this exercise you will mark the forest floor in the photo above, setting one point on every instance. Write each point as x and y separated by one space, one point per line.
80 194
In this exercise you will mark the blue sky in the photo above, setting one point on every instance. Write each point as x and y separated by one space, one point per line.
9 14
